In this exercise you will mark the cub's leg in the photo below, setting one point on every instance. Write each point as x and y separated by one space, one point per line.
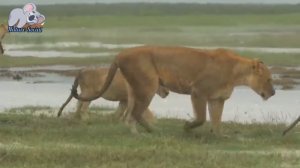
215 108
82 107
199 107
120 112
78 109
84 110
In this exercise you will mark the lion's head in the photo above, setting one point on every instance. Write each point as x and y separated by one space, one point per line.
261 80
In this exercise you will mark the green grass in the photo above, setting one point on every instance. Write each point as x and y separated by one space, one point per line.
102 141
6 62
159 9
152 15
274 59
213 25
186 20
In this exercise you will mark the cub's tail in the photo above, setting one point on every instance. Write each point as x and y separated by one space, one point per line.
111 73
75 85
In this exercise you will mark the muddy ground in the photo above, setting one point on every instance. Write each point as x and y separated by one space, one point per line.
283 77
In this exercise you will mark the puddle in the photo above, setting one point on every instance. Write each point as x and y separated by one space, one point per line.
71 44
255 49
45 54
50 67
16 50
243 106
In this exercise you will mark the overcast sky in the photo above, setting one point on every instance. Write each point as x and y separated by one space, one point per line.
21 2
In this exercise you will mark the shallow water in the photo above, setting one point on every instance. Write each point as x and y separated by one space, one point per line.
49 49
243 106
45 54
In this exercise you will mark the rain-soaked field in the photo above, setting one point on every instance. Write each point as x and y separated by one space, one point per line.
76 36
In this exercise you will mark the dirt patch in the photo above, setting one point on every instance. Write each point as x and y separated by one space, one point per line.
18 74
286 72
287 78
284 77
59 72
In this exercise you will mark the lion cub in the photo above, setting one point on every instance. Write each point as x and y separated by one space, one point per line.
91 80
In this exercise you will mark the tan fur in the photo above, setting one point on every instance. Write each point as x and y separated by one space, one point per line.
90 80
3 31
209 76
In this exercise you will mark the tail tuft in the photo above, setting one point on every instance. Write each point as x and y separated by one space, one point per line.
74 92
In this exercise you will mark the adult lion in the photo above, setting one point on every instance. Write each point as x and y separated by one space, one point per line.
3 31
91 80
209 76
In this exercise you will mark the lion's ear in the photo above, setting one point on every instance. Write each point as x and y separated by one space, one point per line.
257 66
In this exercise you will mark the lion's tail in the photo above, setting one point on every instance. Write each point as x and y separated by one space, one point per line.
111 73
75 85
291 126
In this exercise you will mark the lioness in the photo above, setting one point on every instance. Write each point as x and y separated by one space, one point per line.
3 31
209 76
91 80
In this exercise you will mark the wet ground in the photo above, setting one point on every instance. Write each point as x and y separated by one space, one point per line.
67 49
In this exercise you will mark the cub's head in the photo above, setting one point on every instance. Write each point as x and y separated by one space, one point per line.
260 80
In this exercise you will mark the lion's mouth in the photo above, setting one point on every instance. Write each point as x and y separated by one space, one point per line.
263 96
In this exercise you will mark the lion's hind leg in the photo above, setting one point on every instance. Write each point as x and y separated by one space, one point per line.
138 102
139 108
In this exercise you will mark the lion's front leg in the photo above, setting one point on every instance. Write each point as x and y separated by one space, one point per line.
215 108
199 107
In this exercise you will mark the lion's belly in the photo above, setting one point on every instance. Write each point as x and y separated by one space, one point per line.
176 83
221 93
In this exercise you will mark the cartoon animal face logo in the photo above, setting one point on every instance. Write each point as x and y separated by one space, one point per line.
26 17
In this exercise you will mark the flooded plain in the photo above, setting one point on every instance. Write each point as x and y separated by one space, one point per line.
66 49
52 89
